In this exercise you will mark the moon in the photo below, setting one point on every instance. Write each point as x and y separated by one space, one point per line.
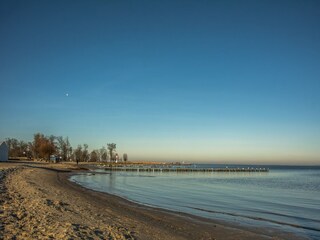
67 94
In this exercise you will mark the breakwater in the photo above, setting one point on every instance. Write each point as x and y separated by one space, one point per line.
157 169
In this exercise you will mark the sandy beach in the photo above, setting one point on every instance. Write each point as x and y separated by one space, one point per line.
39 202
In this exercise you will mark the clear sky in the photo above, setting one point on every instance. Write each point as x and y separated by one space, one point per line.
220 81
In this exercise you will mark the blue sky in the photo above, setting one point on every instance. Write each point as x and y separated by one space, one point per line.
220 81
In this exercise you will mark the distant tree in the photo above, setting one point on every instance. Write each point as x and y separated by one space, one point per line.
104 157
47 148
111 148
42 146
17 148
94 156
64 147
73 155
29 151
60 144
37 138
12 144
78 153
103 154
52 138
23 148
68 148
85 153
97 154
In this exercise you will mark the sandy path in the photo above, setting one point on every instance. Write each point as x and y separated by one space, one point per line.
38 202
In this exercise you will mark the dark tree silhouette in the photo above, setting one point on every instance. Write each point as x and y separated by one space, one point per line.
93 156
111 148
78 153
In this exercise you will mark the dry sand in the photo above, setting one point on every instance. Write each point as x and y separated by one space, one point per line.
39 202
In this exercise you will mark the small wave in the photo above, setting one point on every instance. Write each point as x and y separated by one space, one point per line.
259 219
146 176
288 216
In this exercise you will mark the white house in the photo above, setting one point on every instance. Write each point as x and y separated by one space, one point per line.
4 152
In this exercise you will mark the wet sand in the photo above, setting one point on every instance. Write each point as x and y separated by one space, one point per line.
39 202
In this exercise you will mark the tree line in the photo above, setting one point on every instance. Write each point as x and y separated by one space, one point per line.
45 147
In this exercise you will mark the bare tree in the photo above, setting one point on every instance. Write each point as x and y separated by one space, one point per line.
69 149
64 147
93 156
111 148
85 153
103 154
37 144
78 153
17 148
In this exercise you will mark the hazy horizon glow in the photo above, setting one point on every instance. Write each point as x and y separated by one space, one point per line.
170 80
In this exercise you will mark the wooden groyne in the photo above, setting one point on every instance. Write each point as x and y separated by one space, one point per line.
151 169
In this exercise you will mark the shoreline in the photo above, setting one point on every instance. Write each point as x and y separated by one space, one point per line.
64 208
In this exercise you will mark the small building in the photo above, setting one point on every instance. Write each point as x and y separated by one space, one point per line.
4 152
55 158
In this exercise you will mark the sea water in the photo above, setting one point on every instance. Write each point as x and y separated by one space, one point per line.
286 197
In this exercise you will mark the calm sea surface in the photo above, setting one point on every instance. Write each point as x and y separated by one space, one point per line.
287 198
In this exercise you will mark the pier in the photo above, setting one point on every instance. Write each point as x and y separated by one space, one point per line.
157 169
